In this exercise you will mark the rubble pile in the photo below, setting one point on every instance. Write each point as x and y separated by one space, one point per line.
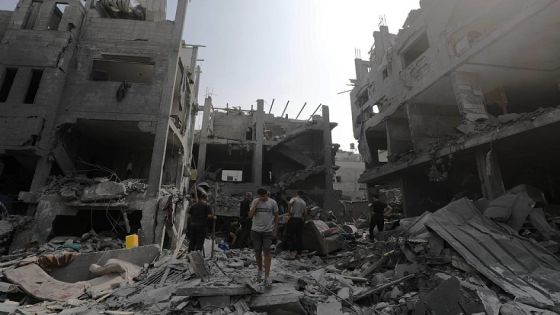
87 190
469 257
470 129
9 225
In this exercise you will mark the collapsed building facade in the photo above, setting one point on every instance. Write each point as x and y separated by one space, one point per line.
241 150
464 99
94 89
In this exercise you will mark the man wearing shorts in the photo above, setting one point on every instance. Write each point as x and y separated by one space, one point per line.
264 212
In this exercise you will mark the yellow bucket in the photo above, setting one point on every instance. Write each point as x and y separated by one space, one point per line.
131 241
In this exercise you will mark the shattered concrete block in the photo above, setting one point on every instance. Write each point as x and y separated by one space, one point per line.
506 118
280 299
344 293
331 307
214 301
8 307
104 191
396 293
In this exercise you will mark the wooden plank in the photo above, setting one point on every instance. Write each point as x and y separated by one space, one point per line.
381 287
233 290
198 265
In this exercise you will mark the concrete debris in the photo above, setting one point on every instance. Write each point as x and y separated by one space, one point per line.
420 267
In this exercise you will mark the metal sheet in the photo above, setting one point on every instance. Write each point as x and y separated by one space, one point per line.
510 261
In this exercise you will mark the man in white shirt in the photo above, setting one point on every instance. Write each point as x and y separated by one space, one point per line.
264 212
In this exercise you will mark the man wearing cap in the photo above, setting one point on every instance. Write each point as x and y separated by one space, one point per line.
264 212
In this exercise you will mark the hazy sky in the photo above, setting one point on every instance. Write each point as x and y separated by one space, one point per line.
297 50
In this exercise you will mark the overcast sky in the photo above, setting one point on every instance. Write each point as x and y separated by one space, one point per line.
297 50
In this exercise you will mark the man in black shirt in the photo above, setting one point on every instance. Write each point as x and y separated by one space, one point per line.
378 215
244 206
199 213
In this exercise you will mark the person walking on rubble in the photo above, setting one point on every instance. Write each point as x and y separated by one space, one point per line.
198 216
244 207
296 211
264 212
378 216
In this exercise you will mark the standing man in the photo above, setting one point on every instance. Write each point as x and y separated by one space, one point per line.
198 216
244 207
378 216
296 211
264 211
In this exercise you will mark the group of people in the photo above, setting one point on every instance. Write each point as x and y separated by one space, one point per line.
259 219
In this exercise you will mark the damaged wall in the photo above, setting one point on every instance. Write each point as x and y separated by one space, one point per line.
482 72
89 94
293 151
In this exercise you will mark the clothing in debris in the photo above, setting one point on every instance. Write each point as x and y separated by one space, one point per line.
263 220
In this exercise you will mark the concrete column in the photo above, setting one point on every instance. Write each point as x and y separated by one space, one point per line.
162 129
330 200
489 174
20 85
469 95
203 143
44 17
259 137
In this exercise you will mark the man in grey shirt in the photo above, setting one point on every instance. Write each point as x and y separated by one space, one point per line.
297 211
264 212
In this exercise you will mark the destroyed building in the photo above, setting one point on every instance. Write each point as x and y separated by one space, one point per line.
242 150
464 98
349 168
92 89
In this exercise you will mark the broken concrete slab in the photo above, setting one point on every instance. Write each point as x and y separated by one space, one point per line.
280 299
78 270
489 300
512 209
506 118
8 307
198 265
214 301
538 220
331 307
445 298
103 191
402 270
344 293
37 283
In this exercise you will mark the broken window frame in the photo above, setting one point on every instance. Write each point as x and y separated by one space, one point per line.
33 86
95 75
56 15
7 83
32 14
416 49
